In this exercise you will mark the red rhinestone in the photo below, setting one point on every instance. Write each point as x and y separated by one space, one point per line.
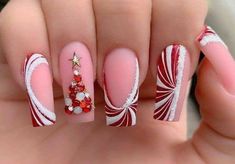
67 110
86 109
75 103
72 95
72 89
81 88
77 78
83 104
88 100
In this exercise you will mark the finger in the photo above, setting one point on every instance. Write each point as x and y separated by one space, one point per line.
212 46
217 110
215 83
24 40
216 101
174 55
123 30
72 38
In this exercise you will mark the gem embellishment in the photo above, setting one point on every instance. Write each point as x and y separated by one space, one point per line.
78 99
169 78
125 115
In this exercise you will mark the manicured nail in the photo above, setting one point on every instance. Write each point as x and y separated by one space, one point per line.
38 83
76 73
172 76
121 80
219 56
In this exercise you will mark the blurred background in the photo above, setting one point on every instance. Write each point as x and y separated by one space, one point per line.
221 17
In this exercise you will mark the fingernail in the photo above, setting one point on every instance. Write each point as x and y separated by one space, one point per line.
76 72
172 75
216 51
121 80
38 83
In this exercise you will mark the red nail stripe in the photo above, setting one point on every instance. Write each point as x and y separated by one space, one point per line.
208 35
41 116
169 76
125 115
78 99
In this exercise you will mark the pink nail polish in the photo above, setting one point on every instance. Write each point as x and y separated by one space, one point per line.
216 51
121 80
38 83
76 73
172 75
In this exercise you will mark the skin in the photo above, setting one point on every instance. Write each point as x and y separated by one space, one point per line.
150 141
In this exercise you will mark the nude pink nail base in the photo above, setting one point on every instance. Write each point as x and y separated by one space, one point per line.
121 80
76 72
170 72
219 56
38 83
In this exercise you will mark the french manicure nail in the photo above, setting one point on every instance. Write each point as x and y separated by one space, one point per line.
38 83
121 80
172 74
216 51
76 73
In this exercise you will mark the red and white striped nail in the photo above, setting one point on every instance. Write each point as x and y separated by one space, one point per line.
172 77
208 35
121 80
38 83
216 51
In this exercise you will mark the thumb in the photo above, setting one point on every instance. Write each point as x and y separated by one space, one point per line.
216 83
216 98
217 105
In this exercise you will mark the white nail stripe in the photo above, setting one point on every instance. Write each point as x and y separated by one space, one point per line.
131 100
179 78
161 84
163 101
45 116
211 36
41 117
35 118
111 120
172 97
169 66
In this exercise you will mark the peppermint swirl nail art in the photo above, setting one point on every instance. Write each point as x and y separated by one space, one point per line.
125 115
209 35
169 82
41 115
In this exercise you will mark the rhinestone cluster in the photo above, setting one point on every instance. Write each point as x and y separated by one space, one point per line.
78 100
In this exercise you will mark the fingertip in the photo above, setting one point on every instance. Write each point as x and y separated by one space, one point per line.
216 51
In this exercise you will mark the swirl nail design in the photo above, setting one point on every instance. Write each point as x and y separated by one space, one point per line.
208 35
125 115
41 116
169 77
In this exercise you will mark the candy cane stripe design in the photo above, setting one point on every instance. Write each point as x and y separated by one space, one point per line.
208 36
169 76
125 115
41 116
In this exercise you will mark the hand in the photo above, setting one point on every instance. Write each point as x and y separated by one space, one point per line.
46 27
